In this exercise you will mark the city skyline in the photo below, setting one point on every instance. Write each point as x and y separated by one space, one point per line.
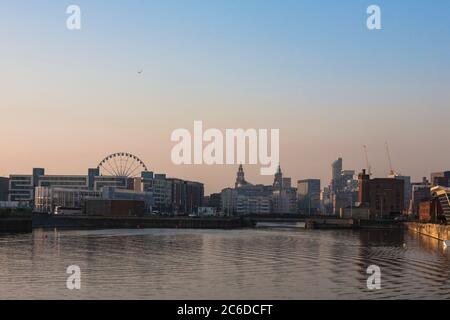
251 172
135 73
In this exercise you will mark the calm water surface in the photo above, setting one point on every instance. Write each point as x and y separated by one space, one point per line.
216 264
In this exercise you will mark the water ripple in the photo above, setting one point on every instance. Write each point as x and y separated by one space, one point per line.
216 264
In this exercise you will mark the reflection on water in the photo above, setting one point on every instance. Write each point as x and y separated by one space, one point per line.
216 264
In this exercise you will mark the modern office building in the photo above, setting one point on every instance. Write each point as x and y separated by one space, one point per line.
171 195
308 194
159 186
48 198
287 183
214 201
284 201
419 192
253 199
168 195
326 204
101 182
252 205
336 175
348 181
407 187
4 189
343 187
113 193
344 199
441 179
228 200
22 187
186 196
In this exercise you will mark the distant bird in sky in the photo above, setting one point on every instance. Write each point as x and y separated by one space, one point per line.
140 71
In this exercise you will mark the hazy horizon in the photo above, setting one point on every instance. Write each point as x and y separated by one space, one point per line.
311 69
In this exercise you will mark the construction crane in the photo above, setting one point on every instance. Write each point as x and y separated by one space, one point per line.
391 172
369 168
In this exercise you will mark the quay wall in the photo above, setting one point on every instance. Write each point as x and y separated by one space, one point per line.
15 225
440 232
136 222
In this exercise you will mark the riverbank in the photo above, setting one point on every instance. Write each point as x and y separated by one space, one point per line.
440 232
336 223
15 225
15 221
83 222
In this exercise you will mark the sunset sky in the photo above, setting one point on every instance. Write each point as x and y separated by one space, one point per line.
309 68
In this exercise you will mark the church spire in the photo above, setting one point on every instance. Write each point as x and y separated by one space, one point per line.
240 179
278 181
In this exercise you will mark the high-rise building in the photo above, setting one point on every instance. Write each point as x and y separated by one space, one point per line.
308 193
348 182
326 204
336 175
343 187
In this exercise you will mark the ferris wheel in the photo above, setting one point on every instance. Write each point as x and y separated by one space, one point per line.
122 164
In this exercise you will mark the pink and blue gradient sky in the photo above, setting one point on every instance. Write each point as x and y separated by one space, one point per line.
309 68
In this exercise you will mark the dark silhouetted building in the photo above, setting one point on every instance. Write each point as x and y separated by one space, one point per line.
4 189
336 175
419 192
214 201
308 194
383 196
440 179
186 196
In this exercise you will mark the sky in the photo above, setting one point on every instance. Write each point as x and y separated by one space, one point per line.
309 68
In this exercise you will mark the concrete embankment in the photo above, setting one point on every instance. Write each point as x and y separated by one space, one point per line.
136 222
336 223
15 225
316 223
440 232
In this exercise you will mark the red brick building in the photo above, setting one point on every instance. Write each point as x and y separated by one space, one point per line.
383 196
